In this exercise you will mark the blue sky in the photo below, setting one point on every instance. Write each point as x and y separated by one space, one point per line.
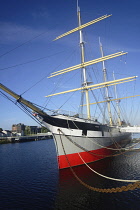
28 54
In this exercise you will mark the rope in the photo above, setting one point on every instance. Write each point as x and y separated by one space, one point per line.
120 150
23 43
119 180
103 190
92 153
115 143
30 61
22 107
101 174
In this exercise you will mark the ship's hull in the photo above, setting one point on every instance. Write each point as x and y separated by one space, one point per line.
74 151
78 141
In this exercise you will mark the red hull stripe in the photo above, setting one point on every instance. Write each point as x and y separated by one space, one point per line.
75 160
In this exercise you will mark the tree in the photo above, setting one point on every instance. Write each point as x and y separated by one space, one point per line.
44 130
27 131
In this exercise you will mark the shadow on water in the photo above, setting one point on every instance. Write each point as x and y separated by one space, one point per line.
72 195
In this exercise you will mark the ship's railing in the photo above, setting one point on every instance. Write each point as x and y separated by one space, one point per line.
69 114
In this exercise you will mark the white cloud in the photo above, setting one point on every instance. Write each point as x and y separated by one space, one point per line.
13 33
16 33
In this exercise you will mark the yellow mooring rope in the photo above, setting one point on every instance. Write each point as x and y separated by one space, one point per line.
109 190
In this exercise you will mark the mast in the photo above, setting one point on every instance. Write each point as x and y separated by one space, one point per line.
85 86
106 87
82 47
117 103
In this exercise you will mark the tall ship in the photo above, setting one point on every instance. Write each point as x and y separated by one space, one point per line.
80 138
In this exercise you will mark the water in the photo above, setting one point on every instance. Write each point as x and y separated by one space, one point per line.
29 179
28 175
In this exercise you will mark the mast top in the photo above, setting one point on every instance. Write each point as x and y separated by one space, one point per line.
78 8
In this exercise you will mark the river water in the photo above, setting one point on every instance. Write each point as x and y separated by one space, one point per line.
29 179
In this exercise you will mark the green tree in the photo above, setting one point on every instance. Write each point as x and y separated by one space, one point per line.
44 130
27 131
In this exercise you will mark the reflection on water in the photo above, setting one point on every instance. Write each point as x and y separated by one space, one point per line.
72 195
29 179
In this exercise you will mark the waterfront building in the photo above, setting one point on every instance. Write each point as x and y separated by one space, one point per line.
18 128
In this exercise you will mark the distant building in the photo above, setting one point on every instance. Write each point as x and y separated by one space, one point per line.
32 130
1 134
7 133
21 129
18 128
